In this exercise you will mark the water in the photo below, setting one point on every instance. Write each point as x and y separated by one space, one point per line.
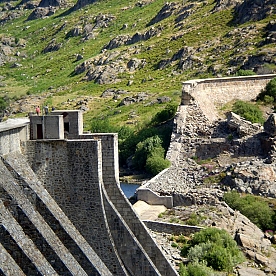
129 189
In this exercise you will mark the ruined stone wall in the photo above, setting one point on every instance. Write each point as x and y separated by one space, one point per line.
212 93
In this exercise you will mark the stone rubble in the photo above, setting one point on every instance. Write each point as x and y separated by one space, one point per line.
242 159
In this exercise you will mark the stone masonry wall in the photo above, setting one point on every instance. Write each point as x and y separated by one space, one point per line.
111 184
210 93
43 221
71 171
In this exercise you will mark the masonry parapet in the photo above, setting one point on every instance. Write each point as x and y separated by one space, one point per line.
215 92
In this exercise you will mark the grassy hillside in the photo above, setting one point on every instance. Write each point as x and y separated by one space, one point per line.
198 39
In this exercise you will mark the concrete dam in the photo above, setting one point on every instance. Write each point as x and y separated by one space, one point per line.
62 211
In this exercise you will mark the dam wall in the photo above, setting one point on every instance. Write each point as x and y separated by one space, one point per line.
82 178
62 210
111 183
212 94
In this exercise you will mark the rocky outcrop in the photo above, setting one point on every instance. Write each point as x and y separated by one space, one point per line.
111 92
130 100
90 29
82 3
167 10
128 40
270 125
52 47
271 32
251 10
41 12
225 4
52 3
106 67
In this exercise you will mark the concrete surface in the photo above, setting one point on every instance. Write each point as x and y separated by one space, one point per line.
148 212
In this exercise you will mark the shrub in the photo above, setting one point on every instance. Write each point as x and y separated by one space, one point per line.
215 248
195 269
166 114
102 125
242 72
194 219
147 148
128 144
248 111
155 164
269 90
3 104
253 207
268 99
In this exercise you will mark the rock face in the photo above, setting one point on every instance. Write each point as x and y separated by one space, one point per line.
52 3
167 10
41 12
128 40
254 10
82 3
52 47
106 67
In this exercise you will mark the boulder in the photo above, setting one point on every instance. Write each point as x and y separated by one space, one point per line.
241 126
41 12
270 125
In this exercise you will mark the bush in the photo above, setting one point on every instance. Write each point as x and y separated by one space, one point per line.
166 114
248 111
145 149
103 125
242 72
3 104
155 164
269 90
195 269
253 207
215 248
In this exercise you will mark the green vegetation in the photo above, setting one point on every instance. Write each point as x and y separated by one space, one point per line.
257 209
195 269
249 111
52 77
195 219
164 115
245 73
147 146
3 104
210 250
214 178
269 93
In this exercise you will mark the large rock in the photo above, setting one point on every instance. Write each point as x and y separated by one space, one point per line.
41 12
252 10
241 126
270 125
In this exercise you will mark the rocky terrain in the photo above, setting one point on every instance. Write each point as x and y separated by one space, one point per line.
171 46
197 185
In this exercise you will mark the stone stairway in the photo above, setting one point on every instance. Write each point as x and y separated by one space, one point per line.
30 215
